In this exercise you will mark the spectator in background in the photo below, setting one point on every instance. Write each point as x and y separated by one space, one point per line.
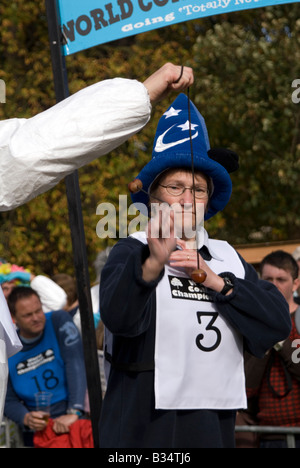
51 360
273 383
52 296
68 284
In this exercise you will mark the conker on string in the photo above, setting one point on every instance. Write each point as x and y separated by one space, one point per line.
199 275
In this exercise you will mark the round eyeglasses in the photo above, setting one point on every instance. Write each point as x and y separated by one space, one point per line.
177 189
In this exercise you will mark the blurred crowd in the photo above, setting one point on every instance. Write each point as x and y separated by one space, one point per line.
46 314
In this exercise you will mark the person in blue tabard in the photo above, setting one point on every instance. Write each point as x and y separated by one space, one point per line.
51 360
174 347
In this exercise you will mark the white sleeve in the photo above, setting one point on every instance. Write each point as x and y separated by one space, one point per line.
52 296
36 153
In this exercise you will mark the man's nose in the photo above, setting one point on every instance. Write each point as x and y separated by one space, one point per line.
188 196
275 282
36 315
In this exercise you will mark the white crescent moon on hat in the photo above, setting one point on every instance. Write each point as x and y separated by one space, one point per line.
161 146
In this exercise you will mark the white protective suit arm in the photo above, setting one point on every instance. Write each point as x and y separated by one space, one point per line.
52 296
36 153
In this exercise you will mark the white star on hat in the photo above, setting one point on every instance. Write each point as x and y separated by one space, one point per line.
186 126
172 112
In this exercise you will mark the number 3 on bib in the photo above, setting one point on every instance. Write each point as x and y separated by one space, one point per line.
210 339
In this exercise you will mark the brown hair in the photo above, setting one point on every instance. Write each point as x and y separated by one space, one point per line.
20 292
67 283
283 260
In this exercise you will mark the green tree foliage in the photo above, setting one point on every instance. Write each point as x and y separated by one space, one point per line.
244 65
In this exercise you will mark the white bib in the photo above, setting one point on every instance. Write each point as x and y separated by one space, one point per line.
198 355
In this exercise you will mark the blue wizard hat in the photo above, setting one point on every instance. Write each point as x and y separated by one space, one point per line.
172 149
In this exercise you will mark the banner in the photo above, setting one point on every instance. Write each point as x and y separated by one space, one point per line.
91 22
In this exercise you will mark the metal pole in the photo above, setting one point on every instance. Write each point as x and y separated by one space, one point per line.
77 234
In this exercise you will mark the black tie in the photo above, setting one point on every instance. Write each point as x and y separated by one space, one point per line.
204 252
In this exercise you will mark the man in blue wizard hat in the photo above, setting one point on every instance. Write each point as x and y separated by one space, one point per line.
175 346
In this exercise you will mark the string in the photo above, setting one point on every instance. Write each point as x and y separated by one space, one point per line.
193 174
